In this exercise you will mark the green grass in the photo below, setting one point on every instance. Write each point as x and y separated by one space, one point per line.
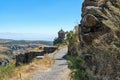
76 65
62 44
7 71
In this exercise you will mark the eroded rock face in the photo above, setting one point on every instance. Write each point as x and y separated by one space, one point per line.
88 37
99 35
89 3
89 20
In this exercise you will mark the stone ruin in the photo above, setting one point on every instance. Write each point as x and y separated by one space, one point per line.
61 37
26 58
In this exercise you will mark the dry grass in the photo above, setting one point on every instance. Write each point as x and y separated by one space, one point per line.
2 56
36 49
26 71
2 49
61 47
69 76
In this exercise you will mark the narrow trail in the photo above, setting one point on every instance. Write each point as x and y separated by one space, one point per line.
59 71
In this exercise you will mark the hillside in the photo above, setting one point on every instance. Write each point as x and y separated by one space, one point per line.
6 44
12 47
96 42
10 41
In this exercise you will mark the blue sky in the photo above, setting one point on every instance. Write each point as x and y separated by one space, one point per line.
37 19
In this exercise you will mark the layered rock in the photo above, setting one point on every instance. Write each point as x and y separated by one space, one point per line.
99 39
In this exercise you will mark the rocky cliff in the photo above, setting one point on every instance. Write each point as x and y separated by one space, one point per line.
99 39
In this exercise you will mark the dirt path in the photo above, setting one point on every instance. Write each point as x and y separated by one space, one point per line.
58 71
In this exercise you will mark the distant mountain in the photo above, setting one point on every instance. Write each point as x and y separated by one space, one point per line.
15 42
11 47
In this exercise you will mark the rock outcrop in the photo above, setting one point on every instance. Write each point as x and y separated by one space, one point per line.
4 62
99 35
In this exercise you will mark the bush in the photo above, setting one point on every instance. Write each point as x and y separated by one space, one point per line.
62 44
76 65
73 42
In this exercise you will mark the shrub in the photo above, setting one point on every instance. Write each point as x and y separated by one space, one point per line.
76 64
73 42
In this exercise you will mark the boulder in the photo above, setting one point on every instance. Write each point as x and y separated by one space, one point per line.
88 37
90 10
89 20
89 3
4 62
96 11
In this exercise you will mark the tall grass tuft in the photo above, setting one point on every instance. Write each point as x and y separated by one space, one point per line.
76 65
7 71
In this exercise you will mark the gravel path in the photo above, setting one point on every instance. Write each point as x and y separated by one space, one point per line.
58 71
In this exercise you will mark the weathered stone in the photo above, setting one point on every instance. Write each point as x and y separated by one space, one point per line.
99 37
88 37
50 49
61 37
89 20
96 11
4 62
86 30
20 59
90 10
89 3
29 56
101 2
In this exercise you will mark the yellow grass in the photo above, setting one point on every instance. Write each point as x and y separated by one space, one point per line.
26 71
36 49
2 49
2 56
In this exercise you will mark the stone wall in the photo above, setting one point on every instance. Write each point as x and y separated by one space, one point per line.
29 56
50 49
